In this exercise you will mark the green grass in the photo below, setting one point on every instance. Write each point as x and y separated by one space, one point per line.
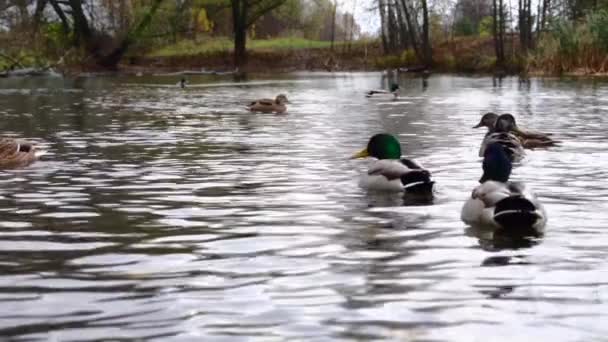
214 45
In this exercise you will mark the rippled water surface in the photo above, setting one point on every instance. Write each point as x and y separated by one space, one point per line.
175 214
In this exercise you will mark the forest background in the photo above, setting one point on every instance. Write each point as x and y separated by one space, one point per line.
481 36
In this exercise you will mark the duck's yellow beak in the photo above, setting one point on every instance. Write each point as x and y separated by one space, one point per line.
361 154
480 124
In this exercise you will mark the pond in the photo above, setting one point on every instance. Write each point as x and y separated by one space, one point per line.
175 214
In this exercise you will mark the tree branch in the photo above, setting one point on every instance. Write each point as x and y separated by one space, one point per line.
257 13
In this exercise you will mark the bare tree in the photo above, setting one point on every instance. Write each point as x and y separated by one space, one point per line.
244 14
73 19
426 41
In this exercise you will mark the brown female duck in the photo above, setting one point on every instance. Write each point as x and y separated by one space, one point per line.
17 153
529 139
269 106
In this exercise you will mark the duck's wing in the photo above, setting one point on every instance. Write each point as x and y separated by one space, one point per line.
16 153
520 189
491 192
511 143
391 169
533 135
266 102
521 212
532 143
262 102
410 163
8 148
412 179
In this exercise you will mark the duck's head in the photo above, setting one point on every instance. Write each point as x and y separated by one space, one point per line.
505 123
281 99
394 87
496 164
381 146
182 82
487 120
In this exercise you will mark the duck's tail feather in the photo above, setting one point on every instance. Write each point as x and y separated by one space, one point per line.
539 143
516 213
417 181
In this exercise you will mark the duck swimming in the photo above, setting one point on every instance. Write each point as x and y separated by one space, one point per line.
499 203
392 172
394 90
502 133
17 153
529 139
182 83
269 106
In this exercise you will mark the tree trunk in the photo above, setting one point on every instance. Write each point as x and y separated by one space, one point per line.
82 31
411 28
239 20
496 34
383 26
529 43
543 20
112 59
40 6
523 44
426 40
65 24
392 29
403 40
501 31
333 24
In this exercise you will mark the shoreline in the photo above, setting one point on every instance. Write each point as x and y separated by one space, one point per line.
203 66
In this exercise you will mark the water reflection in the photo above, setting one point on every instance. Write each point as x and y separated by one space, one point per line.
495 240
173 213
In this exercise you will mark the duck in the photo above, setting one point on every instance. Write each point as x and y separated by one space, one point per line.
394 91
529 139
17 153
182 83
502 133
500 204
391 172
269 106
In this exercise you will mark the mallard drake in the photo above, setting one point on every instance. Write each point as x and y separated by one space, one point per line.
269 106
394 91
502 133
17 153
529 139
499 203
392 172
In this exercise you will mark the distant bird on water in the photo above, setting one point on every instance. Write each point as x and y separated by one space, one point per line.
394 91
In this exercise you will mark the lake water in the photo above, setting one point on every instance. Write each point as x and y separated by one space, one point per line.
175 214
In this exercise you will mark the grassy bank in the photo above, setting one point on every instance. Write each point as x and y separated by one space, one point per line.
275 55
567 50
218 45
464 54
